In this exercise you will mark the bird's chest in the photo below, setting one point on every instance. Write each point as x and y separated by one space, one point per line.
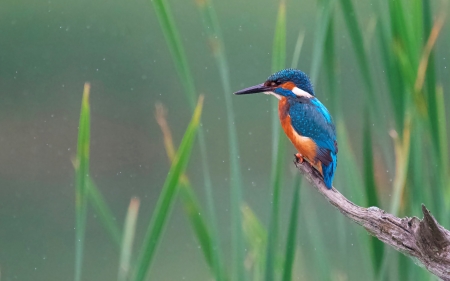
306 146
285 118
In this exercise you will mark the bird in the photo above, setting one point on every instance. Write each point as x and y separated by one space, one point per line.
305 120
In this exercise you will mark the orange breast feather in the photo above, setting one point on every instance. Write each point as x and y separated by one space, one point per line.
305 146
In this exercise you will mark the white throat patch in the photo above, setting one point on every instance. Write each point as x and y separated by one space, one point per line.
272 93
300 93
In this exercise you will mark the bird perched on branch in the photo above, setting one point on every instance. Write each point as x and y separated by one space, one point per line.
305 120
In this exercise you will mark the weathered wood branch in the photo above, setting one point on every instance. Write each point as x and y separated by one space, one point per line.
425 240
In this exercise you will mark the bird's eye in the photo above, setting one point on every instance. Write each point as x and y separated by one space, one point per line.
272 83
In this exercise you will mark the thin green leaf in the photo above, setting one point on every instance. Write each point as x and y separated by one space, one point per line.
174 42
256 236
322 22
334 94
318 254
331 69
402 30
279 41
353 181
211 27
377 247
190 203
104 212
272 245
165 200
430 84
292 233
298 48
358 44
196 217
128 238
443 144
372 99
278 62
393 77
82 176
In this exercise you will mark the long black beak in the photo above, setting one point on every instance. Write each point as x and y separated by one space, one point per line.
260 88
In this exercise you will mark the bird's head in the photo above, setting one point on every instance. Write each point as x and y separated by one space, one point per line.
285 83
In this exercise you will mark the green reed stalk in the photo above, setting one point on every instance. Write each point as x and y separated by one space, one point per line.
82 177
292 232
212 29
176 48
128 238
278 146
165 200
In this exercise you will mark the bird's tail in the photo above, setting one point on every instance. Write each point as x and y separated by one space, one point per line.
328 171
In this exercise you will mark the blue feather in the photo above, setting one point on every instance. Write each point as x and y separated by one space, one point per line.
310 118
328 171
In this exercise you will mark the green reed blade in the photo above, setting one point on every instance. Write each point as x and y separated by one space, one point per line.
278 146
128 238
256 236
404 266
334 94
174 42
377 247
279 41
198 223
192 208
358 45
430 83
392 74
444 172
346 160
419 194
292 233
415 26
443 140
212 29
372 99
277 179
278 63
322 22
165 201
352 178
172 36
82 176
402 30
104 212
321 260
331 69
298 48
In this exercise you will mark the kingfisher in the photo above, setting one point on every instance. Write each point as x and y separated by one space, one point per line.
305 120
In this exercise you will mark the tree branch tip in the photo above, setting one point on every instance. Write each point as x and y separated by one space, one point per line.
426 241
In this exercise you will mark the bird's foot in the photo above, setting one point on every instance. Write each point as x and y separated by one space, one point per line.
299 158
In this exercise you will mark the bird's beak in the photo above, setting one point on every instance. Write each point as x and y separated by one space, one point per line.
260 88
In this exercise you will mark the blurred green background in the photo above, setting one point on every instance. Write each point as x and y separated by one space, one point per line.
366 74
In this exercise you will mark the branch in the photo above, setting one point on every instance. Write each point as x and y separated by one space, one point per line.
425 240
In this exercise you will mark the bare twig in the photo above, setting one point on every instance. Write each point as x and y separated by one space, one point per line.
424 240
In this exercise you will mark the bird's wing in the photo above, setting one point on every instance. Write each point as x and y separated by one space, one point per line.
311 119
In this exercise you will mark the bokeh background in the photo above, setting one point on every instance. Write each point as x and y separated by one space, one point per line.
49 49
